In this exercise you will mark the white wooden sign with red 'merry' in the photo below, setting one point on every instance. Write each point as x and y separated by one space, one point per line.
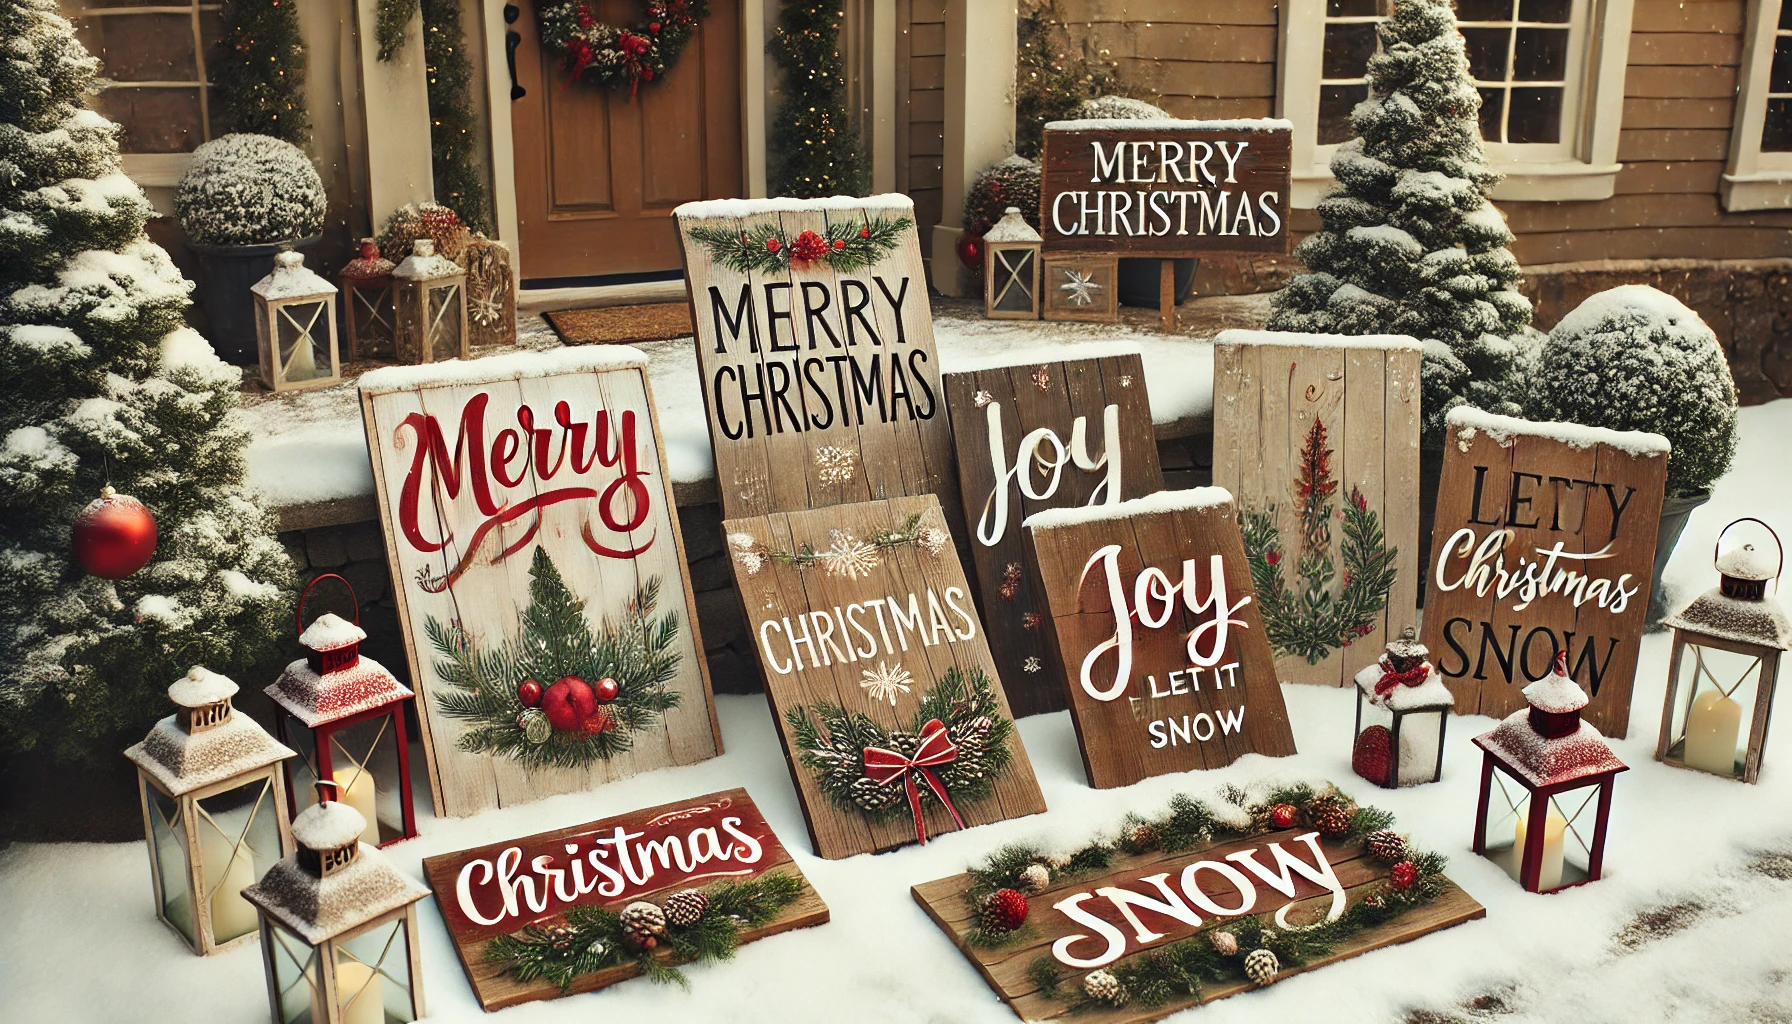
539 573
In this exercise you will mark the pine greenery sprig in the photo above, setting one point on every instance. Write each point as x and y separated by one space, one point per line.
766 248
1313 623
590 939
390 19
814 146
453 123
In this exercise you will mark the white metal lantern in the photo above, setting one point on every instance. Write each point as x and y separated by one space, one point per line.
1011 269
214 811
1402 710
430 296
295 326
339 926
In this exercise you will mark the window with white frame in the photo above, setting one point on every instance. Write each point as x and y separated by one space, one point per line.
1759 173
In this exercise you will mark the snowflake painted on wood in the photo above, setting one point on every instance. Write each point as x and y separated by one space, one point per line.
886 681
746 552
1031 665
933 540
1042 378
848 556
982 398
487 309
1079 287
1029 620
1010 581
835 464
1126 380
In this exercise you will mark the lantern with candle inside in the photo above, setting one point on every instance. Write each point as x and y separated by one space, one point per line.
1725 665
338 926
369 318
344 713
1402 707
1546 788
295 326
214 811
1011 269
430 297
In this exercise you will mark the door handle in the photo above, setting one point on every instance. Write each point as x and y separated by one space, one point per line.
512 40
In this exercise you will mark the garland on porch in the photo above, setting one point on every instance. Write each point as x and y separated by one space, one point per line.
453 124
389 20
607 55
814 146
259 74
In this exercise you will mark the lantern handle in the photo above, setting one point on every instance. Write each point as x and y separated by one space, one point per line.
298 615
1720 539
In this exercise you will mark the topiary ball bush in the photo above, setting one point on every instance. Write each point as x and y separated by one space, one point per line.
1012 182
1634 358
249 190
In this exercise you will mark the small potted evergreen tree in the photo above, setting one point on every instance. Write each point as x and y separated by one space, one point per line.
243 199
1634 358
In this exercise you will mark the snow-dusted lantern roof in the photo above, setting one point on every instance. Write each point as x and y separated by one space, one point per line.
291 280
333 882
424 265
1428 694
369 265
207 742
334 680
1738 608
1548 743
1012 228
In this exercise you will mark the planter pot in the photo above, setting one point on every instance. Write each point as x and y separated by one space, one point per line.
1139 281
226 274
1675 511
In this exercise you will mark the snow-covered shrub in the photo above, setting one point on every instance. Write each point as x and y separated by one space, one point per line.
1634 358
1122 107
249 190
1013 182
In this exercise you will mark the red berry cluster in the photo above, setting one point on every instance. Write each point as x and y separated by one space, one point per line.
572 704
809 247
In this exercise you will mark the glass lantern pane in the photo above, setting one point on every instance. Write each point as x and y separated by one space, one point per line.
373 976
1372 755
1508 803
168 858
444 321
304 340
1714 698
375 316
239 839
364 766
1419 733
297 988
1565 863
1014 280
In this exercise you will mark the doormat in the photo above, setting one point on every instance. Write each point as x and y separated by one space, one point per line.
617 325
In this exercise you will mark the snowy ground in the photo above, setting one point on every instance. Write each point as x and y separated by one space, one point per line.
1692 923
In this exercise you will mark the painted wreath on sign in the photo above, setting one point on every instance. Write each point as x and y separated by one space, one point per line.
767 248
609 55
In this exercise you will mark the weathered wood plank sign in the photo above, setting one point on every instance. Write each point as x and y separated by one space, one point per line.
1317 436
889 707
1165 187
506 888
539 573
815 351
1152 618
1034 436
1545 540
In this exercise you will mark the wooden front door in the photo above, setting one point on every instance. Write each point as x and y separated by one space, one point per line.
598 173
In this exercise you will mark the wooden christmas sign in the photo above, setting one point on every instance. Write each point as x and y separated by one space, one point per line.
1545 541
815 351
540 573
1318 437
1126 930
1151 614
1062 434
583 908
889 706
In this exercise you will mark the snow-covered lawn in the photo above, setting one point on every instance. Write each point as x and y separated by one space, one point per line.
1692 923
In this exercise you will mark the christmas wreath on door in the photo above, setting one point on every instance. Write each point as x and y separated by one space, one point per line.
607 55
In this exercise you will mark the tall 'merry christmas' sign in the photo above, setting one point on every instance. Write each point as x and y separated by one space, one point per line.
540 573
1544 542
889 707
1151 614
1318 436
1062 434
815 350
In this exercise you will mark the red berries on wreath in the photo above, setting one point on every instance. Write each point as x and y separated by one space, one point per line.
529 693
1282 815
605 690
773 245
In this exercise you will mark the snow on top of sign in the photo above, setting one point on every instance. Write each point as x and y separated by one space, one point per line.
1467 419
1297 340
331 631
1195 498
970 363
711 208
1749 622
1233 124
514 366
322 908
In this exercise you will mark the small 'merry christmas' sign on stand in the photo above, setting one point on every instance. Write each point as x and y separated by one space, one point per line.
1150 612
815 351
1062 434
540 573
1318 436
888 704
640 893
1544 542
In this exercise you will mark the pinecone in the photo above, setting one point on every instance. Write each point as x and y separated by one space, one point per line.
560 937
969 769
869 796
1331 819
685 907
1103 987
1404 874
1141 837
1035 879
1224 943
642 924
1002 911
1386 846
975 731
1261 966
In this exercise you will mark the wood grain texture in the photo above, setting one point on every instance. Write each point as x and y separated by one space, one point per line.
496 989
1267 398
461 503
1148 722
1485 646
1005 968
1042 475
782 601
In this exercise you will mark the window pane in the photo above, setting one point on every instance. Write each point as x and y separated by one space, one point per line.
1352 8
1493 101
1484 10
156 120
1780 80
1335 104
1540 55
1776 134
1555 11
1536 116
1348 48
1487 52
142 47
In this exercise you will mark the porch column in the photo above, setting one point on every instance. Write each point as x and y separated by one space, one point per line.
393 104
980 56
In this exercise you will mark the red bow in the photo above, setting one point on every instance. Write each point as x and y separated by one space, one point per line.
886 766
1411 677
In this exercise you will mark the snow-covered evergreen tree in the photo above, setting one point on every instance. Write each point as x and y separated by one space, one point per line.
1411 244
99 375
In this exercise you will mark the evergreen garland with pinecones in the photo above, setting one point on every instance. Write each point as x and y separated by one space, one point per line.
259 73
815 148
453 125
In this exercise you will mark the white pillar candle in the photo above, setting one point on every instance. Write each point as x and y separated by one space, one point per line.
1712 725
360 991
354 787
1550 875
224 872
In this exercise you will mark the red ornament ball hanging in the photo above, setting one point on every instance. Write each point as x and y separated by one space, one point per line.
1282 815
605 690
1374 754
970 251
568 703
529 693
114 536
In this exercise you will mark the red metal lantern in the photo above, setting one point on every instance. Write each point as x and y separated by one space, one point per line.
344 713
1558 761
